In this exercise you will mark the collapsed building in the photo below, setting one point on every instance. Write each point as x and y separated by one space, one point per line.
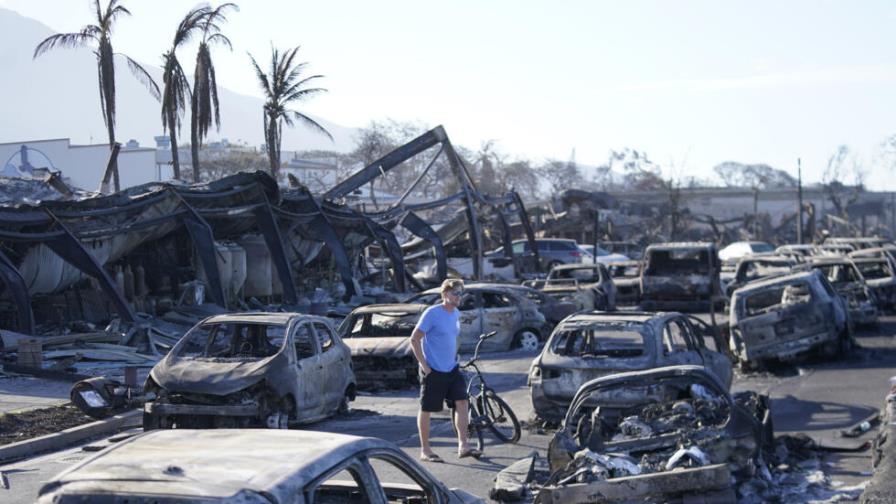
74 263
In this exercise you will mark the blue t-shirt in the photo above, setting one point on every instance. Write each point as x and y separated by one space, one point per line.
440 343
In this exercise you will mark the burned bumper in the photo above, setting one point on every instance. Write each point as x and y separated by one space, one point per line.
689 481
785 350
226 410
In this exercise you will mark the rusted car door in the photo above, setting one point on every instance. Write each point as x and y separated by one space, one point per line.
470 320
309 375
499 314
334 361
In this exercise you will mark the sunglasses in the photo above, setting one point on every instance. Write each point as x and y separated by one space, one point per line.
456 292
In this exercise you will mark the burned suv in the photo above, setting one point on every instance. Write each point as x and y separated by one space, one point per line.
250 370
782 317
589 345
680 276
656 436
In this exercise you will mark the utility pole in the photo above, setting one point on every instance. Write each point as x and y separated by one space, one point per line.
799 192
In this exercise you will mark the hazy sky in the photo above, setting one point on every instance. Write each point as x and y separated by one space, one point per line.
692 83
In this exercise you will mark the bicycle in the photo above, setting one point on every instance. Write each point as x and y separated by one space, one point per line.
487 410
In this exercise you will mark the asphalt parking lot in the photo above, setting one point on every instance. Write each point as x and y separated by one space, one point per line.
818 398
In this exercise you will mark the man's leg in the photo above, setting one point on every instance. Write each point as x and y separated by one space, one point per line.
461 421
423 428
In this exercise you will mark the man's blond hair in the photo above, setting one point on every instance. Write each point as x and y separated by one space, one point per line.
452 284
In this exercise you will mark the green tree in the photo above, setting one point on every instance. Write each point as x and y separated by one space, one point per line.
98 37
283 85
204 101
175 85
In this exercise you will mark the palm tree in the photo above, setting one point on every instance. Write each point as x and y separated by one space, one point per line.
282 85
204 102
98 36
176 90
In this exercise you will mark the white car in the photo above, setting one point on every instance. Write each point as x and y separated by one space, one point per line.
740 249
603 256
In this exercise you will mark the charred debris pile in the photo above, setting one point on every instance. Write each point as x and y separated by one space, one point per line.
100 281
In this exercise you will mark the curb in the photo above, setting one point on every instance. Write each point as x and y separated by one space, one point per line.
59 440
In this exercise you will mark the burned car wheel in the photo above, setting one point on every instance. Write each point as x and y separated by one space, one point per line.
527 340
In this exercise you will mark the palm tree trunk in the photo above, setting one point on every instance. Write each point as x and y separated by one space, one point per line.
175 155
270 133
194 137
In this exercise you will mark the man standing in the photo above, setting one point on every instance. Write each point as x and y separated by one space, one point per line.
434 341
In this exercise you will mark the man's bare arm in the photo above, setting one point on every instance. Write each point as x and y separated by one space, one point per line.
417 346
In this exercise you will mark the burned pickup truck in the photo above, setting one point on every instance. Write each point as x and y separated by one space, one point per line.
589 345
379 336
680 276
587 286
850 284
662 435
782 317
248 370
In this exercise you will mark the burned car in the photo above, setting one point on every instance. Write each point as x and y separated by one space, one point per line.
249 466
680 276
553 309
627 279
248 370
492 307
849 283
379 336
590 345
656 436
587 286
783 317
880 276
752 268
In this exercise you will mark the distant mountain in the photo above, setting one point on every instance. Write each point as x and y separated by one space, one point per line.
56 96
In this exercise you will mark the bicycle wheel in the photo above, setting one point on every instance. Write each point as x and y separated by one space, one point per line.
472 426
501 419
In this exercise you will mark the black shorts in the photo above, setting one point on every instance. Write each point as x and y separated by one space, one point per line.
438 387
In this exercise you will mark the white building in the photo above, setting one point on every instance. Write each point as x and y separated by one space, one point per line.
317 174
83 165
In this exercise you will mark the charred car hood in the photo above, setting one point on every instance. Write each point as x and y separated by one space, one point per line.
389 346
206 376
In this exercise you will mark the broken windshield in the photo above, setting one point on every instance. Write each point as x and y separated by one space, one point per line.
233 340
610 340
678 262
373 325
874 270
775 297
581 274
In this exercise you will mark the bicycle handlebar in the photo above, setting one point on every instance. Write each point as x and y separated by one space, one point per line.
482 337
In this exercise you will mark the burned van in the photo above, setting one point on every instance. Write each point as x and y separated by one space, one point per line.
782 317
680 276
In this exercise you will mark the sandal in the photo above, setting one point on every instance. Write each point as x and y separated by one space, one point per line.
434 458
469 452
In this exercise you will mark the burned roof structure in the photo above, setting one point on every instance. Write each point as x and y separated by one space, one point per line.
160 236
